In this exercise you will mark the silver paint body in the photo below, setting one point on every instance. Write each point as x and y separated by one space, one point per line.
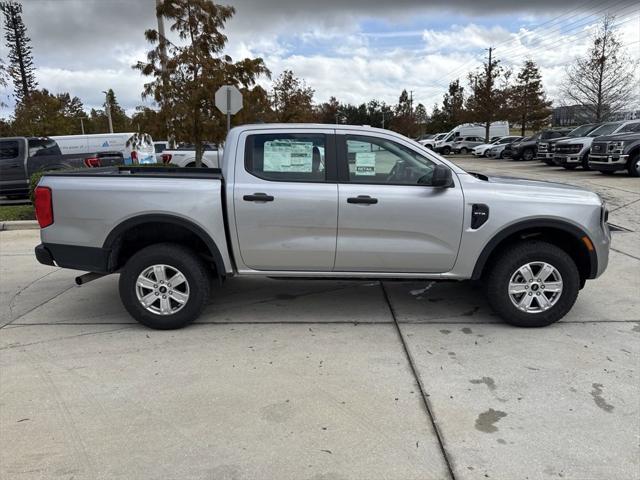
310 230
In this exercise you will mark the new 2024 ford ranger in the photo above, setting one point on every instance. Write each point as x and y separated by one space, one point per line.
322 201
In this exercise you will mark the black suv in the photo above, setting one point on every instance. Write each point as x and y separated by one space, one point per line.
527 148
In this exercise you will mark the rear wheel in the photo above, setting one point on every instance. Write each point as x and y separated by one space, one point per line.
533 284
464 151
446 150
634 165
164 286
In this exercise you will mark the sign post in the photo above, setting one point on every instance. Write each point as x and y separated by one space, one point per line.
229 101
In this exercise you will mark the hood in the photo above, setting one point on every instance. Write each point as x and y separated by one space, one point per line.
582 140
619 136
550 191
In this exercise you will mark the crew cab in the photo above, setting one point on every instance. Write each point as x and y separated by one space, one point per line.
546 147
527 148
322 201
574 152
613 153
21 157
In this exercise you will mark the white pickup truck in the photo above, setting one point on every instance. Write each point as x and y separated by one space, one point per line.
186 157
322 201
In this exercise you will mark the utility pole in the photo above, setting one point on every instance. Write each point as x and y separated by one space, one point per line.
411 101
107 107
82 125
487 127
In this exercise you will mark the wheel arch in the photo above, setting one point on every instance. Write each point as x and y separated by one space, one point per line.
565 235
140 231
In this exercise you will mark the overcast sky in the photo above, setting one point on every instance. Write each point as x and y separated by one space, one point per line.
355 50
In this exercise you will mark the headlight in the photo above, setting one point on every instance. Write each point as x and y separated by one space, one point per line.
616 146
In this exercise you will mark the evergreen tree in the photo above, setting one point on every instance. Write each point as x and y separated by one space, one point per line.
194 67
21 68
453 105
527 101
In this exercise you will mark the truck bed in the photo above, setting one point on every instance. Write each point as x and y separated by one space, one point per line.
140 171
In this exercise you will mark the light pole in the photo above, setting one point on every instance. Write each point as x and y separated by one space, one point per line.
107 107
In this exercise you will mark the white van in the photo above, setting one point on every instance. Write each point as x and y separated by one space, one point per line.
136 148
496 129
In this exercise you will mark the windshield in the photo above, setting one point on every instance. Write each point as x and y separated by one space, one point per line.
439 136
605 129
581 131
631 127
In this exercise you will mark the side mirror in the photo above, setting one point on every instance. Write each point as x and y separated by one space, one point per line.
441 177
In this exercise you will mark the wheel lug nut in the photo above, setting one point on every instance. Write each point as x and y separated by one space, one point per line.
530 293
170 292
155 286
541 286
164 296
157 294
526 287
538 294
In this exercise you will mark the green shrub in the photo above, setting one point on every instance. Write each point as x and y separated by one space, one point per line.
33 183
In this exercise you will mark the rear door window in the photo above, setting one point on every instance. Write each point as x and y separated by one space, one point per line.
287 157
40 147
9 149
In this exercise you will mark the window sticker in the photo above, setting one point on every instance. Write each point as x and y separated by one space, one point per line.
354 146
365 163
288 156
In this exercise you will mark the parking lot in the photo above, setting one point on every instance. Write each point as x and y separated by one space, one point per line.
323 379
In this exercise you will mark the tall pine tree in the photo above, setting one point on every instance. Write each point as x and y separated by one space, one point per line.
21 68
529 104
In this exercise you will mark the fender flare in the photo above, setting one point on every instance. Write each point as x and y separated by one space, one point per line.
132 222
506 232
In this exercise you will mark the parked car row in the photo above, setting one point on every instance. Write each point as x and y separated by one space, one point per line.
607 147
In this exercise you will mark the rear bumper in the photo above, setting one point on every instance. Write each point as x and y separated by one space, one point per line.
88 259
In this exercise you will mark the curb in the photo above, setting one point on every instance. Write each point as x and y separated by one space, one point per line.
19 225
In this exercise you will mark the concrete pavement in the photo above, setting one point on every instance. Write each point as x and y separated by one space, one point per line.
322 379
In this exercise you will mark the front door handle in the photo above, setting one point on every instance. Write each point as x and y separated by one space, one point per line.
258 197
365 199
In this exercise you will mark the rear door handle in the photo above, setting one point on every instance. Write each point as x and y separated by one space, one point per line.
258 197
365 199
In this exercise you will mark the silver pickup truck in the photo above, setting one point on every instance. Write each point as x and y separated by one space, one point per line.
322 201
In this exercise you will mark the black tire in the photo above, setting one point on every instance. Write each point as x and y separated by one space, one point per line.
633 166
500 156
607 172
528 154
549 162
570 166
498 278
176 257
585 162
446 150
191 165
463 151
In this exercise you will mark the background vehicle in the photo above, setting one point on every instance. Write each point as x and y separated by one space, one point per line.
21 157
159 147
185 156
280 207
134 147
527 149
482 150
547 146
496 129
504 150
574 152
430 142
613 153
465 144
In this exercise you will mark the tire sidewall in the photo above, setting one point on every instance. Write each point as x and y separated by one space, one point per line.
175 256
510 262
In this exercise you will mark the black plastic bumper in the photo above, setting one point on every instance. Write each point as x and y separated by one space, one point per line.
88 259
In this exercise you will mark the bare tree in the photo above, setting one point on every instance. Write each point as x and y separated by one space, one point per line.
603 81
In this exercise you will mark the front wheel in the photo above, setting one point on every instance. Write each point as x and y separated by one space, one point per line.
533 284
463 151
570 166
446 150
528 154
634 166
164 286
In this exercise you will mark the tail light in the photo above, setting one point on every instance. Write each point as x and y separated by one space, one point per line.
166 158
92 162
43 206
134 157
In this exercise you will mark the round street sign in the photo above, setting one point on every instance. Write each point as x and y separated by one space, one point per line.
228 99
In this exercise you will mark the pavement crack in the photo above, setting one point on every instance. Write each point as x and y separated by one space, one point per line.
17 294
423 392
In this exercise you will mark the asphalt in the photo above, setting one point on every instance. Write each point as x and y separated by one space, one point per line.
323 379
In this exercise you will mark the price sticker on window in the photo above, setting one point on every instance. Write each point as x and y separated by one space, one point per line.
365 163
